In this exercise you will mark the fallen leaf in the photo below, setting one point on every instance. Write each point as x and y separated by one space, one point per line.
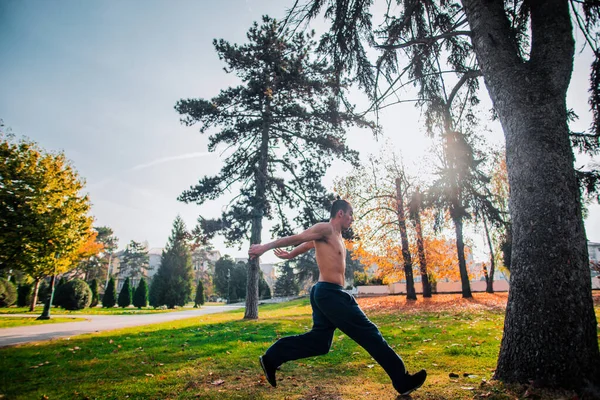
150 375
370 365
218 382
453 375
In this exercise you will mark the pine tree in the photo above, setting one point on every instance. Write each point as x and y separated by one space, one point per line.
175 272
199 299
285 125
94 289
110 294
286 284
140 296
154 293
125 295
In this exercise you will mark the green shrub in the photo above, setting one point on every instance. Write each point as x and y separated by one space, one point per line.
8 293
24 293
199 300
94 289
110 295
125 295
140 297
59 296
76 295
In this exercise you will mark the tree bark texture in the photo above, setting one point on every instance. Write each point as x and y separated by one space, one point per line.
251 311
462 262
550 330
422 259
408 268
34 296
489 278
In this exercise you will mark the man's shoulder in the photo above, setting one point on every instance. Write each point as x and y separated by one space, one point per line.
323 228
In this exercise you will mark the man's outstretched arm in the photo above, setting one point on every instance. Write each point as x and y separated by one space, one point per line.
316 232
288 255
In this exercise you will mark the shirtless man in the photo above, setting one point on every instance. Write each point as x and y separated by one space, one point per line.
332 307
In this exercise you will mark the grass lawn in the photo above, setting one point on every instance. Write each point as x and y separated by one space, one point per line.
10 322
215 357
99 310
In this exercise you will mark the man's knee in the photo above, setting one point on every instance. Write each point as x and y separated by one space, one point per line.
323 347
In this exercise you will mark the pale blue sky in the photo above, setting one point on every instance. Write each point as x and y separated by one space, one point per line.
99 79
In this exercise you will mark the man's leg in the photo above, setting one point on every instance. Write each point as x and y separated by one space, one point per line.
343 311
313 343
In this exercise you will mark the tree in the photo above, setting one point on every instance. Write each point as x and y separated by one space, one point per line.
461 189
524 51
94 289
110 294
76 295
135 261
140 297
125 295
175 272
264 291
88 257
199 299
44 217
222 276
8 293
286 284
284 126
155 293
109 243
415 206
379 193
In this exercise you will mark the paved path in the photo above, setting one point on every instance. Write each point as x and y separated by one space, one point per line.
95 323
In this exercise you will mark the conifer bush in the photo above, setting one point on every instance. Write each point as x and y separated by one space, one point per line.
140 297
75 295
8 293
110 295
94 289
125 295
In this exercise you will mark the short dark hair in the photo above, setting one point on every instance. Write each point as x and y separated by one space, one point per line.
338 205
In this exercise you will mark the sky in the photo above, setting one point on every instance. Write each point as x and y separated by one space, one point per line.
99 80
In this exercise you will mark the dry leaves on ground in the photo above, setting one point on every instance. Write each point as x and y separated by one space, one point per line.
437 303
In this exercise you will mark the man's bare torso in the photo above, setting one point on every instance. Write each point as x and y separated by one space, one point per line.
331 258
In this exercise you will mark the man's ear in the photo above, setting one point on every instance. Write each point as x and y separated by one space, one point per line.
340 213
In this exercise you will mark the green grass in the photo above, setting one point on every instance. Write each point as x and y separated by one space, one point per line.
97 310
215 357
11 322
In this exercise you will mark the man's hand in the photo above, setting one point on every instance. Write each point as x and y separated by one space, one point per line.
286 255
256 250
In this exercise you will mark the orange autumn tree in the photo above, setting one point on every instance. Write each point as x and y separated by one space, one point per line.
379 192
87 257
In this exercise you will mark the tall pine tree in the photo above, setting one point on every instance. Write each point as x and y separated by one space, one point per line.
284 125
175 273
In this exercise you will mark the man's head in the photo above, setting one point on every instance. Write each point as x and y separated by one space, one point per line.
342 210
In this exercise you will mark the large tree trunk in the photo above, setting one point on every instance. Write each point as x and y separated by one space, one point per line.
422 259
259 209
408 268
550 330
489 278
462 262
36 287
